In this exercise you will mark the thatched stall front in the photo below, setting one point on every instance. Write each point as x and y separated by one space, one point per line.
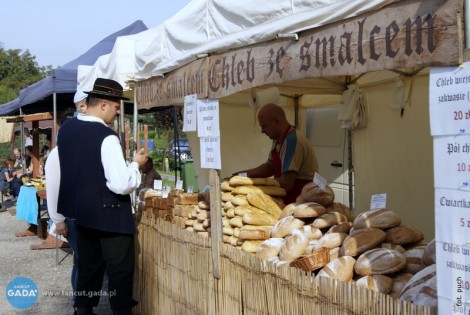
175 275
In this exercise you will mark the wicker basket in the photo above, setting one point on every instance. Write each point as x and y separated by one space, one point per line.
317 259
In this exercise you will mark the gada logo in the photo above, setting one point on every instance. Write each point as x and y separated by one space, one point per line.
22 293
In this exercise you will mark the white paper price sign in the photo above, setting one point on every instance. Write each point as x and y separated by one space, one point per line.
190 113
210 153
449 100
158 184
452 162
179 184
378 201
208 118
319 181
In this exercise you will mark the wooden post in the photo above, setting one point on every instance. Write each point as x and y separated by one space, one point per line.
216 220
137 141
35 158
127 136
146 136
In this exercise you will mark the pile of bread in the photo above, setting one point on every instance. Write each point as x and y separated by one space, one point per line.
250 208
373 249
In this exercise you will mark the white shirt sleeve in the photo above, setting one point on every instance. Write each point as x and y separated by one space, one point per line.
121 178
52 169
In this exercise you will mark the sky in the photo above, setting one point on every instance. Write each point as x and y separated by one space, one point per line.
58 31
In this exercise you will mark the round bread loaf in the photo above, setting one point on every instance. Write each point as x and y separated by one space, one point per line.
361 240
294 246
429 256
288 210
269 248
329 219
379 261
284 226
227 196
422 288
378 283
228 205
341 268
414 260
311 232
343 227
225 186
380 219
399 282
309 210
403 234
331 240
341 208
312 193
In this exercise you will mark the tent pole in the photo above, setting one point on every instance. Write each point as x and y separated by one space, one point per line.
122 135
350 170
177 140
22 142
134 128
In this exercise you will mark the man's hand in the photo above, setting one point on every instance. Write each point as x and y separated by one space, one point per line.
61 229
140 157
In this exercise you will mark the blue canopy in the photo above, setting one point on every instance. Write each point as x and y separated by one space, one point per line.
64 79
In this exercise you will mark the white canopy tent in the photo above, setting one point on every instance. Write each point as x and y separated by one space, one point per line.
311 51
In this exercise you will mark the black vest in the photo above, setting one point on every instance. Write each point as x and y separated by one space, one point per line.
83 194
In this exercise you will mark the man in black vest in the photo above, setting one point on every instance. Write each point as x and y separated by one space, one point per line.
95 184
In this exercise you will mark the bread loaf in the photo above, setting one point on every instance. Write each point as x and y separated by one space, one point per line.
236 221
309 210
429 255
378 283
241 210
335 253
226 196
422 288
284 226
204 205
340 268
312 193
265 203
341 208
239 200
258 218
187 199
288 210
331 240
414 260
227 230
329 219
380 219
343 227
311 232
361 240
399 282
293 246
251 246
225 186
268 190
379 261
245 181
403 234
253 232
228 205
269 248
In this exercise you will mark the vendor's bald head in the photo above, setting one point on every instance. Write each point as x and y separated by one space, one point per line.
272 120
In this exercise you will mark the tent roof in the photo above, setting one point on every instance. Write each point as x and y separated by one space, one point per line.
64 79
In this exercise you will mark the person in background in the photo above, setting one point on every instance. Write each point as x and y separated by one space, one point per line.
98 199
28 139
149 174
28 156
18 158
63 226
10 181
46 148
292 161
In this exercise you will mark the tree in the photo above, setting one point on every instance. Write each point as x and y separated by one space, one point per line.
18 69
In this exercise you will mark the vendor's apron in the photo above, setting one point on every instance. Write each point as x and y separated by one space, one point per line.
277 163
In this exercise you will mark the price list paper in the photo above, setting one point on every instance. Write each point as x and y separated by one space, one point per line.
190 113
210 152
208 118
449 107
